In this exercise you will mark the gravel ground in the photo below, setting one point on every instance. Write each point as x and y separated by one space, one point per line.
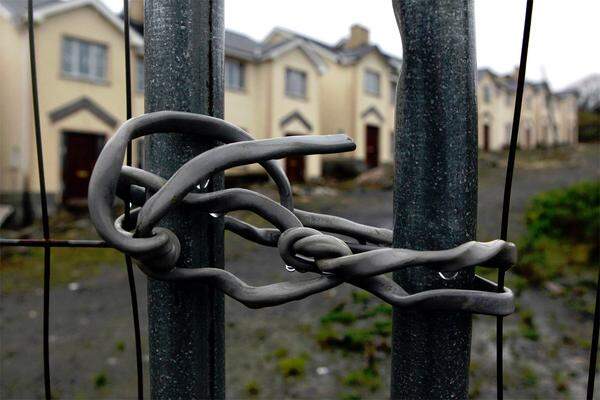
91 338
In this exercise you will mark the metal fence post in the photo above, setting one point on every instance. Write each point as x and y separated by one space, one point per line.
183 71
435 190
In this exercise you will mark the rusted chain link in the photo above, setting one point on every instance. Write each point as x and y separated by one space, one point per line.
298 235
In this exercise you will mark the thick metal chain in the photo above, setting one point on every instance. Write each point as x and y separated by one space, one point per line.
305 240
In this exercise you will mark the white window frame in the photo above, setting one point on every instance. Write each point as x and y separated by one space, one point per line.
139 74
295 76
96 64
487 94
372 78
230 81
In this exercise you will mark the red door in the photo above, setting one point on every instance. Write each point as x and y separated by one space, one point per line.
486 137
372 156
80 153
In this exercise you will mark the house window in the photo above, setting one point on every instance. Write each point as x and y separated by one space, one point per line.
487 94
84 60
295 83
139 75
393 86
234 74
371 82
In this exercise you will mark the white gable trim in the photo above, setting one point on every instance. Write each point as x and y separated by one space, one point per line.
41 14
291 35
312 56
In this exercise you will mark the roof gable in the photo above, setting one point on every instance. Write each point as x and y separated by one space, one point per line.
43 9
83 103
372 110
295 116
282 48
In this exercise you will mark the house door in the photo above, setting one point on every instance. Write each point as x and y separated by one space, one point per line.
294 167
372 156
80 153
486 137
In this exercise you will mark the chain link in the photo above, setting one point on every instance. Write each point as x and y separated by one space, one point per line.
305 240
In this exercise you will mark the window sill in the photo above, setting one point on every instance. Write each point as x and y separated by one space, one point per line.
83 79
236 90
296 97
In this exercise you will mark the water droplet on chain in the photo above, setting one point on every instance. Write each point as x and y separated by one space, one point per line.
448 277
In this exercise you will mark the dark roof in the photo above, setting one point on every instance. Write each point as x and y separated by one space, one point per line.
240 45
509 83
18 8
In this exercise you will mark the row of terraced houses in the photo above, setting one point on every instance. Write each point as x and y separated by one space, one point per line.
286 84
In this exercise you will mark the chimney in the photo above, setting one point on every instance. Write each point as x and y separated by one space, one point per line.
136 11
359 36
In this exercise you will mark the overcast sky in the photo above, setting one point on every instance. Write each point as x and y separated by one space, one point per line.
564 44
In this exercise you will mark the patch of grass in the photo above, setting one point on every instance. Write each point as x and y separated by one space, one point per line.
327 336
357 339
527 326
280 352
252 388
338 315
261 334
563 233
529 377
292 366
100 380
361 297
561 381
383 327
364 378
24 271
350 396
380 309
120 346
361 326
529 333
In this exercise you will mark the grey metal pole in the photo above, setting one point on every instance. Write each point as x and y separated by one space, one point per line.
435 190
183 71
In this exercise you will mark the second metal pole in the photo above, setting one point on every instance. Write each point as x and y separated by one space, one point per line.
435 189
184 69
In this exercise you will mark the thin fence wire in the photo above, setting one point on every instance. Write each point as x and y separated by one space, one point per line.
594 349
514 137
47 243
43 199
128 263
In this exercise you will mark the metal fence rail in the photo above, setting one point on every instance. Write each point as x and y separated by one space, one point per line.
298 234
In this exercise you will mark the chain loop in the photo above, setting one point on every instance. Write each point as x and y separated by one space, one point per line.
298 235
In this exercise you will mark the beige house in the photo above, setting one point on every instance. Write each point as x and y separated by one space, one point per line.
80 54
547 118
289 84
286 84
